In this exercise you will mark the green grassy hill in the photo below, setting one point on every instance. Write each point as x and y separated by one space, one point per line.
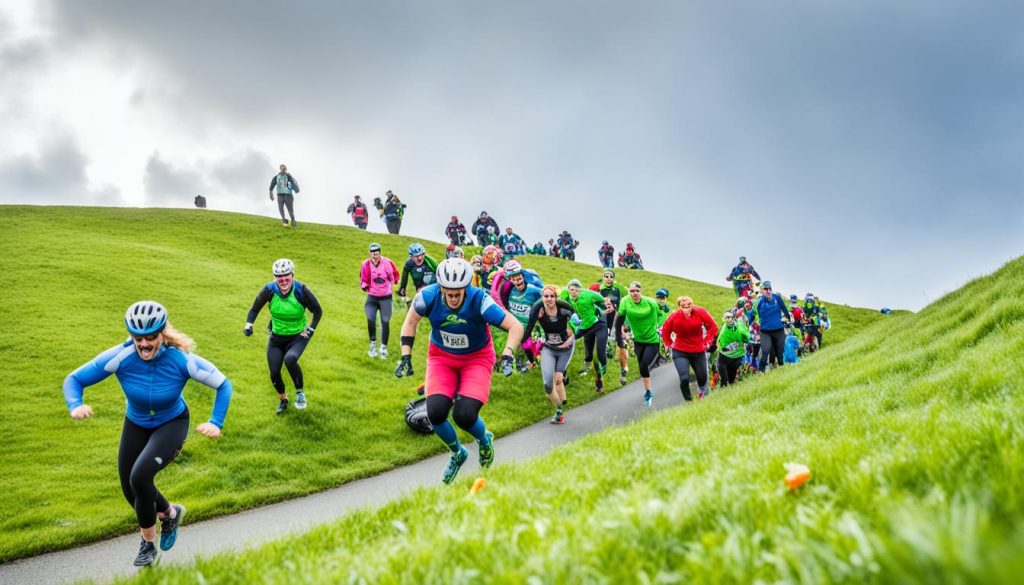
71 274
912 430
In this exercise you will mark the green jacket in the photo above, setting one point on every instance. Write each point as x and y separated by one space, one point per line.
732 340
589 306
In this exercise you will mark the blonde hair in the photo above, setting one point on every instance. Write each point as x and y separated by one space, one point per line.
680 300
176 338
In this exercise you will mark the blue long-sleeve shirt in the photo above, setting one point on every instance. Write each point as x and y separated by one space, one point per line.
152 389
770 312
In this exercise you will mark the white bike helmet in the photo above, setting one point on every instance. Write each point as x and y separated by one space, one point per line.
454 273
145 317
283 266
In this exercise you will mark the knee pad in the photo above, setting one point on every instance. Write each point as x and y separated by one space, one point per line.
465 412
437 409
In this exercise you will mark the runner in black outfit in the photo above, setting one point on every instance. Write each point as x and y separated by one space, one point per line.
554 317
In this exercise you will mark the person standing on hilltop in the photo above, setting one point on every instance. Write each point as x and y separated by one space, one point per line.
392 211
285 186
152 366
359 213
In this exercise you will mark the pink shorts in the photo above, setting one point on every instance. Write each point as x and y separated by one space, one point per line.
467 375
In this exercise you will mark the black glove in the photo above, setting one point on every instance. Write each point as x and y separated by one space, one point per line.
404 367
507 365
401 292
247 330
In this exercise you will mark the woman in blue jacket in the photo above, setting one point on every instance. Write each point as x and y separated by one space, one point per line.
152 367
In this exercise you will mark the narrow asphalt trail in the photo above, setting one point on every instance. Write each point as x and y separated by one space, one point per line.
112 558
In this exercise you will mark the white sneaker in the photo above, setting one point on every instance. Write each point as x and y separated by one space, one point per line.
383 352
300 400
373 349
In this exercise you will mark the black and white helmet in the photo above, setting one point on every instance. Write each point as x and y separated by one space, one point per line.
145 318
283 266
454 273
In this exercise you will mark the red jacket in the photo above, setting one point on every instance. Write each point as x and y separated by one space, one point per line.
689 331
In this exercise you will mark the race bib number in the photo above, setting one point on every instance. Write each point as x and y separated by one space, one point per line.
520 309
732 347
454 340
554 339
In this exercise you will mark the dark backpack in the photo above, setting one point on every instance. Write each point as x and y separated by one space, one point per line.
416 416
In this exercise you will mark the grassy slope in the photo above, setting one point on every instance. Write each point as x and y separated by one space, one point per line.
77 269
912 429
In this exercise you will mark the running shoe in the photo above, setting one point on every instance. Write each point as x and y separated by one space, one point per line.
648 398
284 222
487 450
293 223
383 352
586 368
558 419
169 528
599 385
283 406
147 554
622 376
300 400
455 464
373 349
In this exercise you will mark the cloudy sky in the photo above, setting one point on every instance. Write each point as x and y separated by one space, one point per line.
870 152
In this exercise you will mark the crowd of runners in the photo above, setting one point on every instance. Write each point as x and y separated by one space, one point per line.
461 300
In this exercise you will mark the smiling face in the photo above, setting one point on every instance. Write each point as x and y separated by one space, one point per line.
549 297
284 282
686 306
147 345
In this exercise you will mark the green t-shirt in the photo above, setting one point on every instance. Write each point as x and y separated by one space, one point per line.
287 315
589 306
643 318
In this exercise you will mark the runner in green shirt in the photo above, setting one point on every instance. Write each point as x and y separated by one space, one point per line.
733 337
643 315
590 307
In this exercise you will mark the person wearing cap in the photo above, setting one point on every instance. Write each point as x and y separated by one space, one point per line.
773 315
285 186
733 338
643 315
797 312
630 258
592 310
378 277
606 254
359 213
290 332
661 297
460 357
740 276
452 251
615 292
152 366
690 331
479 227
456 232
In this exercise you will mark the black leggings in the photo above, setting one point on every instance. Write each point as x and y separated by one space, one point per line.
595 334
728 368
144 452
646 353
616 329
773 344
464 413
285 349
683 361
372 306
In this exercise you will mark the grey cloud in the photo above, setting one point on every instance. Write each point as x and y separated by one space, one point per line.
54 175
166 182
244 172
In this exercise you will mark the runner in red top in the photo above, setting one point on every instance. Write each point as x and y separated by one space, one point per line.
689 331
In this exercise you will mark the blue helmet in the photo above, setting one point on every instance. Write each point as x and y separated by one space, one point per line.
416 249
145 317
661 292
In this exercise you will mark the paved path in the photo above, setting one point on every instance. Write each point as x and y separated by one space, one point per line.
112 558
